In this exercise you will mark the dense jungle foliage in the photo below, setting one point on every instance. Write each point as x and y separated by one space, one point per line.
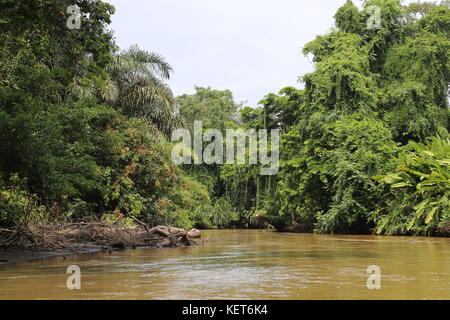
85 128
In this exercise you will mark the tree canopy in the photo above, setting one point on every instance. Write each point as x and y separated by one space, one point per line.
84 127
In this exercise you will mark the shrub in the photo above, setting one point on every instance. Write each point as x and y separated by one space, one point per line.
17 205
419 190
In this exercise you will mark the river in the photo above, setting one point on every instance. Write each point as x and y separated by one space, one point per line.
246 264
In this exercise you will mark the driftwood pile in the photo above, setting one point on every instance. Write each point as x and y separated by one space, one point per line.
95 235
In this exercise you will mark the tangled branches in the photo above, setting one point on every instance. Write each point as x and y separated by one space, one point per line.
71 236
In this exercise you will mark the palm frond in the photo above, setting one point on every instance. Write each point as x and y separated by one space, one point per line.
139 78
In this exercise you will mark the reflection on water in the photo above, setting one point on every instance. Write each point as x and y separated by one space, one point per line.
246 265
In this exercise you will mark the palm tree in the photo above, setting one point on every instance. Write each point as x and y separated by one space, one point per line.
136 87
141 91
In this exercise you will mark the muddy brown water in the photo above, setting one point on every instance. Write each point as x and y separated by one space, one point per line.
246 264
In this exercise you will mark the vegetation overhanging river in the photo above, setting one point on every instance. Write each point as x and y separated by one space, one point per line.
246 264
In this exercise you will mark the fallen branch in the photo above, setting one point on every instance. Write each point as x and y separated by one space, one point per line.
128 214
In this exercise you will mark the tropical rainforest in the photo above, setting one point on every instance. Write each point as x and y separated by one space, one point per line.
85 128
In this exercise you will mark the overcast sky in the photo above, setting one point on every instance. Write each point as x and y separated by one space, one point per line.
252 47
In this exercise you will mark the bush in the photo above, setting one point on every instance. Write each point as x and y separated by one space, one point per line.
218 214
419 190
16 205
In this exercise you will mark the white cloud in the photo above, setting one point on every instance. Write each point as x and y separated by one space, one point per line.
251 47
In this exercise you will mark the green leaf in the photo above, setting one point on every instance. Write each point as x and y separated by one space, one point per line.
431 215
401 185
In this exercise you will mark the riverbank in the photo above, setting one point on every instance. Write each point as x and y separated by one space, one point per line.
443 231
81 238
18 255
45 241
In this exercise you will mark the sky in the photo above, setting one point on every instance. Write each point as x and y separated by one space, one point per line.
252 47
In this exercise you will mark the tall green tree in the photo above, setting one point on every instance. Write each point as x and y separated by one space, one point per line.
69 135
215 108
373 90
47 137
